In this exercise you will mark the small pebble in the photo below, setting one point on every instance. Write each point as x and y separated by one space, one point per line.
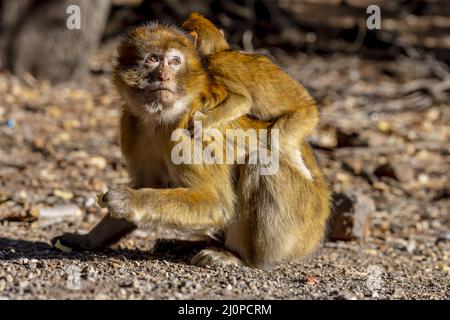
9 278
10 123
444 237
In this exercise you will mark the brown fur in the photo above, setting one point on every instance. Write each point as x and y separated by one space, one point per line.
255 86
208 39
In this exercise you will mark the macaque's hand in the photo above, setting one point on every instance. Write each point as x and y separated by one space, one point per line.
119 201
198 116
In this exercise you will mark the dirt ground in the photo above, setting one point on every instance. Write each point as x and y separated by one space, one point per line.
383 139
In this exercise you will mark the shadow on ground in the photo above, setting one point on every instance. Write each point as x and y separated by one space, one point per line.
13 249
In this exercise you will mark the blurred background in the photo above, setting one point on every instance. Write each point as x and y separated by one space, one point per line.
33 33
383 142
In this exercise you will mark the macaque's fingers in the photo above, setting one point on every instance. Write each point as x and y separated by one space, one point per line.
190 128
119 201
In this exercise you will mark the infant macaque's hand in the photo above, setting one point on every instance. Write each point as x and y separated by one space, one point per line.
199 117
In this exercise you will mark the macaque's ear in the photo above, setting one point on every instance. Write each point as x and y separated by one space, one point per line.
194 36
222 32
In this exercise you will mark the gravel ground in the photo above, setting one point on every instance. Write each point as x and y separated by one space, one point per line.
59 147
31 269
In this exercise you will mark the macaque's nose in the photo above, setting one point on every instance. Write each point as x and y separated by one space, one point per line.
164 75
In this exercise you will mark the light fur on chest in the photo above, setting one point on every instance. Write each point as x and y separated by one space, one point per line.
149 163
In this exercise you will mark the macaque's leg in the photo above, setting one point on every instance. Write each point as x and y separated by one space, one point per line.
201 211
106 232
293 128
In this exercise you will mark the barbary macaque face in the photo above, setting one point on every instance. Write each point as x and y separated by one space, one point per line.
161 68
154 72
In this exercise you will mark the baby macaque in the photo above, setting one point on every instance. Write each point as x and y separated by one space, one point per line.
256 87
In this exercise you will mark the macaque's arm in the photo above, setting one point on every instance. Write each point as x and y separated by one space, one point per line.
188 209
232 108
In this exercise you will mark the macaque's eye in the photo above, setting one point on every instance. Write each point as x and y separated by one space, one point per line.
152 58
175 61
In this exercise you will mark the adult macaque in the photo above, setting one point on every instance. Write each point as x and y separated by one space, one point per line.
263 219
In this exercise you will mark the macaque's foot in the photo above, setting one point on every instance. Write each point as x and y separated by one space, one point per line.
179 247
118 200
216 257
72 241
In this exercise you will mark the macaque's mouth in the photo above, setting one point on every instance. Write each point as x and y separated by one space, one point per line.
161 89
